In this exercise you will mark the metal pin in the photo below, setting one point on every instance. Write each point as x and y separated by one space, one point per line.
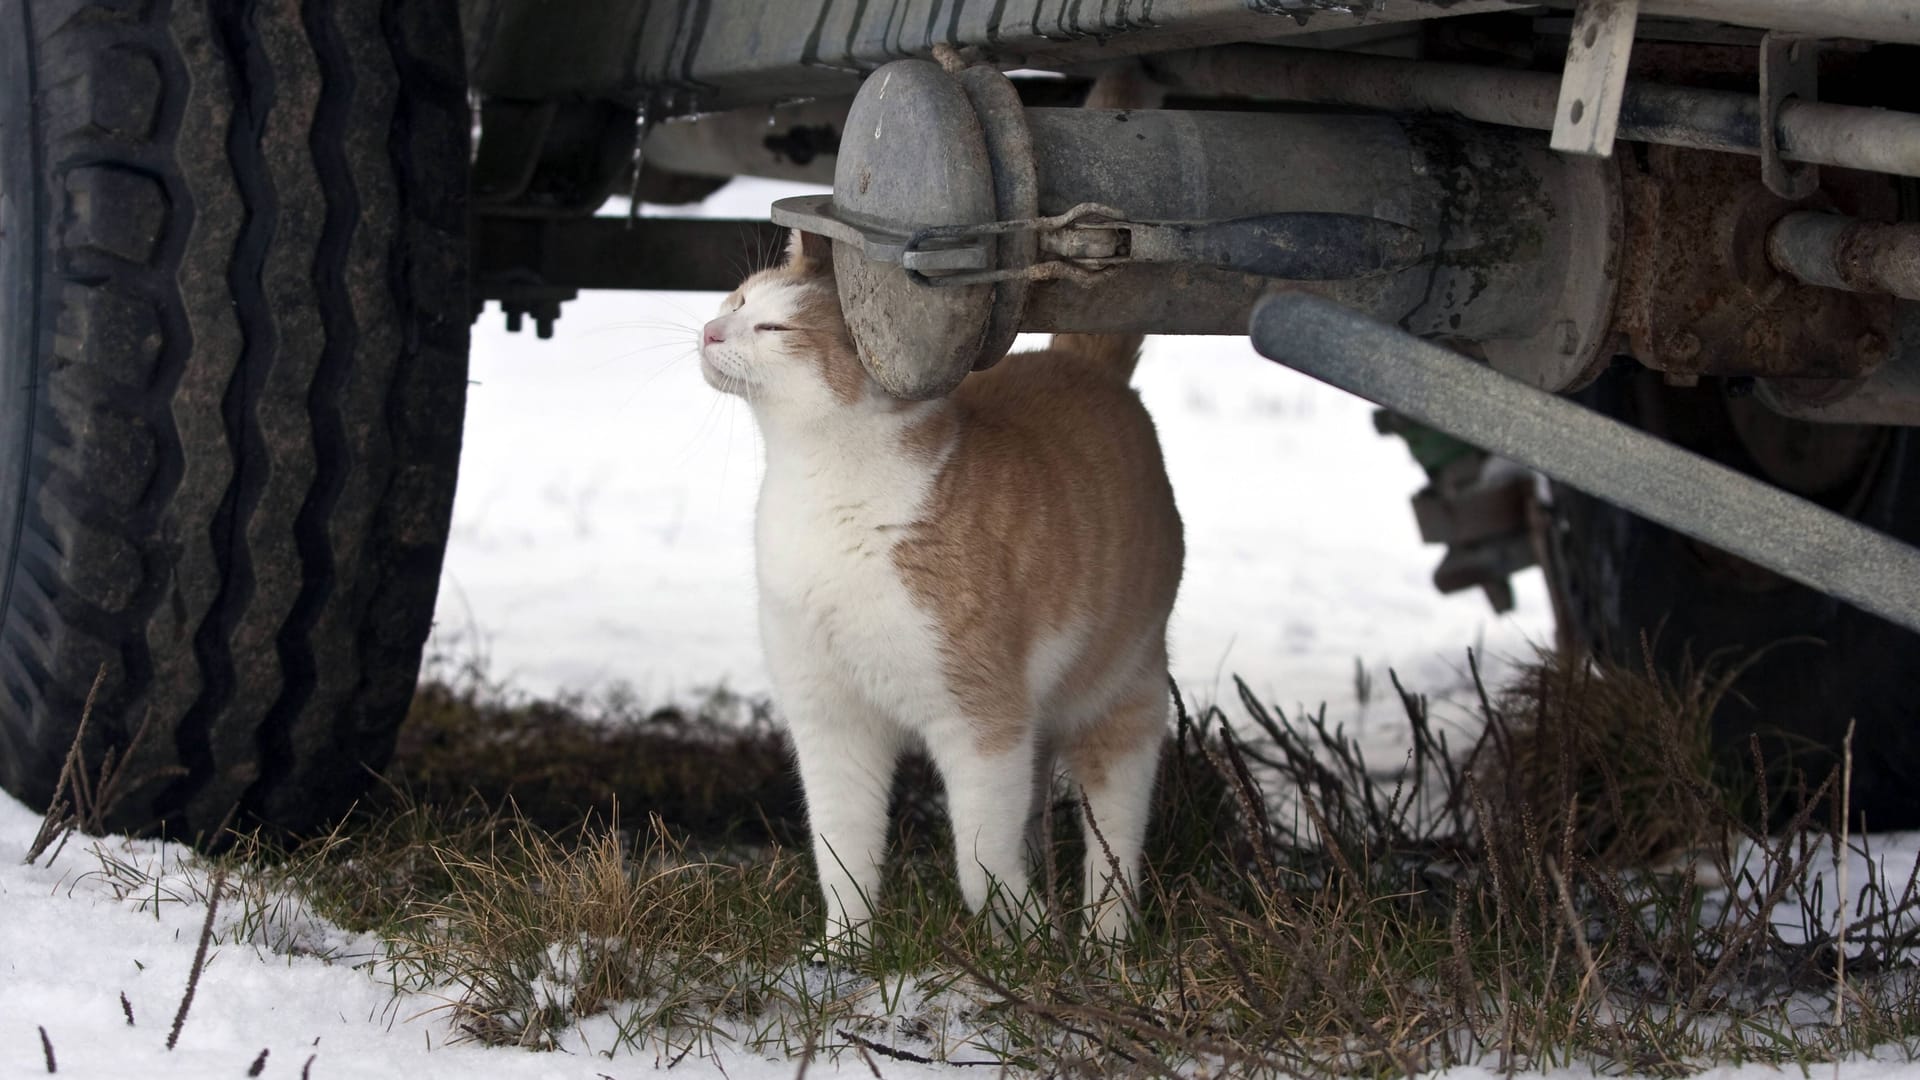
642 123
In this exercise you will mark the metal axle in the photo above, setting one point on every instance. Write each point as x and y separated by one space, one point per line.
1840 252
957 218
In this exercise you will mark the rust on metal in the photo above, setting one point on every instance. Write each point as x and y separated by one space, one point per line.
1873 257
1700 295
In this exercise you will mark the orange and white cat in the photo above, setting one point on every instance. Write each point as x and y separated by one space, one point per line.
989 574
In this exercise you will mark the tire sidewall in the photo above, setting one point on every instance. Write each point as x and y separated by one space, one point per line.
22 280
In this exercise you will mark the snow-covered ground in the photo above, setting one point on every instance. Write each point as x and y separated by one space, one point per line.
80 935
73 944
603 529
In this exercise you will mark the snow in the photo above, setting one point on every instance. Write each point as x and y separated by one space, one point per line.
122 917
71 943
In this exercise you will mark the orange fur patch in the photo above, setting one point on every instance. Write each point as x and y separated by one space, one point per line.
1051 512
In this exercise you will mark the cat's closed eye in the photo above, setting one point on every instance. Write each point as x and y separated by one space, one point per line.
771 328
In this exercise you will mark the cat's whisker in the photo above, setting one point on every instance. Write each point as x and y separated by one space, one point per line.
765 257
726 459
662 367
699 433
639 324
678 339
649 361
673 328
775 245
750 253
676 331
672 302
655 347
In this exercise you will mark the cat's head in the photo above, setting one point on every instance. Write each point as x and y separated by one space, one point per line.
780 340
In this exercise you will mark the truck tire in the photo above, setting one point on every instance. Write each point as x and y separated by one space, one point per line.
233 326
1824 662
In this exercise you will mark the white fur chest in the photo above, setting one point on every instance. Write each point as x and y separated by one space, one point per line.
832 602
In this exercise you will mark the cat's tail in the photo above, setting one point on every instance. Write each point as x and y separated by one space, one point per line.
1115 353
1125 85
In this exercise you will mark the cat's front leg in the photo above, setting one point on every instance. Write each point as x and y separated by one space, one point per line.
847 753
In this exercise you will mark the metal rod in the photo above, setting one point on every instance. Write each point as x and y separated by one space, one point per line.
701 254
1876 140
796 141
1870 20
1839 252
1598 455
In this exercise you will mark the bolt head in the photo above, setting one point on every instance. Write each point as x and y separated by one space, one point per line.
1682 346
1568 336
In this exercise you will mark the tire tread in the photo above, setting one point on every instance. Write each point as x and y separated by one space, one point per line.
227 506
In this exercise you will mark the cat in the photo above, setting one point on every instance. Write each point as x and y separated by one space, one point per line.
989 574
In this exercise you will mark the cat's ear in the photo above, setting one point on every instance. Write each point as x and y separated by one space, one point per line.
808 252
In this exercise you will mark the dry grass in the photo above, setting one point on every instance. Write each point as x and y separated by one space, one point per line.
1626 758
1578 884
84 796
717 769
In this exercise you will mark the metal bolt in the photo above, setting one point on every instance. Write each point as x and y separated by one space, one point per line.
1569 337
1682 346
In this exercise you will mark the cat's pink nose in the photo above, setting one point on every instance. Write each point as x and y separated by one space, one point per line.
714 334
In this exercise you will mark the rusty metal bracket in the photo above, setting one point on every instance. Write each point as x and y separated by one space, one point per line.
1789 71
1698 294
1595 78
